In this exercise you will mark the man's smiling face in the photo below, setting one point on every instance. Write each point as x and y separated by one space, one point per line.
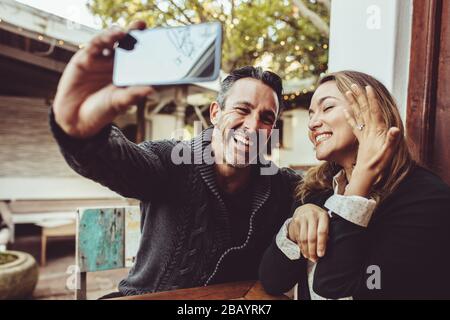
250 111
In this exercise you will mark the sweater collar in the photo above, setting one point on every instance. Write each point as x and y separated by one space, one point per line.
204 161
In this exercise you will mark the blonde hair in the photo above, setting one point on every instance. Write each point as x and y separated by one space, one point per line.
320 178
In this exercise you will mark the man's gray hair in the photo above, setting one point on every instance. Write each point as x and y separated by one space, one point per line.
267 77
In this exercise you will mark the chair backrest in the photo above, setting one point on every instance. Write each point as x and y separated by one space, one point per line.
106 238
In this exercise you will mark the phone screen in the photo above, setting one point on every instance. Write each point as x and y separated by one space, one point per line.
165 56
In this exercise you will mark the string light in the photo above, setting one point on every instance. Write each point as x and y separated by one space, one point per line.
40 38
61 42
292 96
325 46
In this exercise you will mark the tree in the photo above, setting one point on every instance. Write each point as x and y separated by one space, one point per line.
288 36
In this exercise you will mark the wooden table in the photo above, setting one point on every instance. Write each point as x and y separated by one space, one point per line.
245 290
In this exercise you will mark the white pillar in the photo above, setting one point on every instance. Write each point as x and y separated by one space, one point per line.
373 36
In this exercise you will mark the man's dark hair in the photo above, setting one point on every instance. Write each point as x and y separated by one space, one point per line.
267 77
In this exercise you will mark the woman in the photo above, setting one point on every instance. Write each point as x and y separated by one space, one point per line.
386 218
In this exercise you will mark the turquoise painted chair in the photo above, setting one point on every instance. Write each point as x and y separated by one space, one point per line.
106 238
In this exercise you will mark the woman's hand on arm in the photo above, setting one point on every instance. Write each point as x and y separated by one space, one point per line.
309 230
376 141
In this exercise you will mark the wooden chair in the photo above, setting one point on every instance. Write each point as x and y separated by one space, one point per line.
106 238
64 229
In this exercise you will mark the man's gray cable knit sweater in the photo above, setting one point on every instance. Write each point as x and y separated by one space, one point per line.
186 231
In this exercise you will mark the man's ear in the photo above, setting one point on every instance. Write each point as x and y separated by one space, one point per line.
214 112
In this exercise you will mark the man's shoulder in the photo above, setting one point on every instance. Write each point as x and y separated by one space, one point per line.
288 179
170 153
290 174
161 146
161 142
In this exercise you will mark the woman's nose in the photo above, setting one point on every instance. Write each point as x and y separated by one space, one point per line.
314 122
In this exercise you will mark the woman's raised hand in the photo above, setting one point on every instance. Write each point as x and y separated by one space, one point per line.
376 141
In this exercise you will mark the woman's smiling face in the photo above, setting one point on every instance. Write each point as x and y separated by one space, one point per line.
329 131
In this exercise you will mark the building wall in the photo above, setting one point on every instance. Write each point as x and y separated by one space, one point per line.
160 127
373 36
27 146
31 165
297 150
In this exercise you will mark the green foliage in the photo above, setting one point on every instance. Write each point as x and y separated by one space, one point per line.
271 33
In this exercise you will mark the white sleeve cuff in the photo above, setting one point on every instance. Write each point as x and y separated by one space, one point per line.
355 209
288 247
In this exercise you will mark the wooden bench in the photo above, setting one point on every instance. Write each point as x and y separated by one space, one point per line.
106 238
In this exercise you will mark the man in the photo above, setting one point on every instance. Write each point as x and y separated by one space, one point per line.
203 222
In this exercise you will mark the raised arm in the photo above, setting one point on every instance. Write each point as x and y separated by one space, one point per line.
86 100
135 171
85 105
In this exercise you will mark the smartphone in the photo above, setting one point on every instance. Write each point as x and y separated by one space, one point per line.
167 56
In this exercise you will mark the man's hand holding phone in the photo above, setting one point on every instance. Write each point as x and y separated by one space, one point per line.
86 100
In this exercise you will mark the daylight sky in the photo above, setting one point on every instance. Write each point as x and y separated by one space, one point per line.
74 10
